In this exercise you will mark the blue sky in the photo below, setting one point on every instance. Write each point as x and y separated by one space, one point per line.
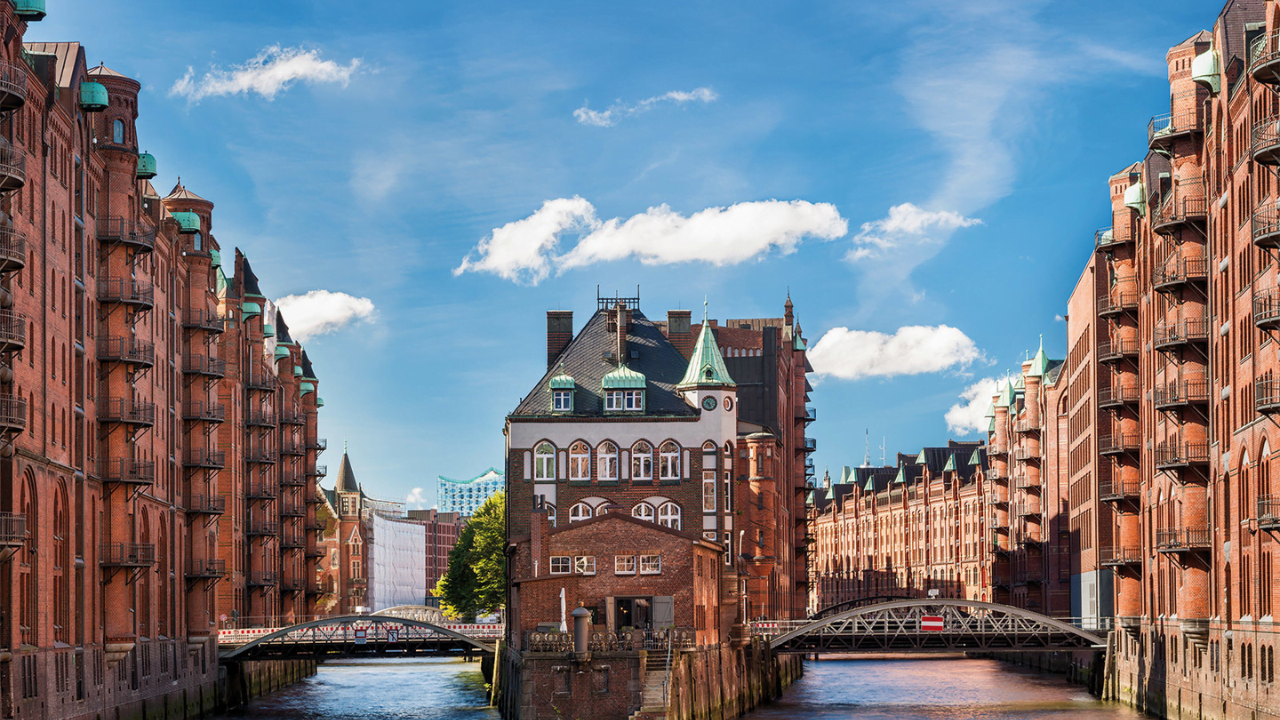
938 166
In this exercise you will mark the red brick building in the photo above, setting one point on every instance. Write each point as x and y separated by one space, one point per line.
158 424
443 529
642 429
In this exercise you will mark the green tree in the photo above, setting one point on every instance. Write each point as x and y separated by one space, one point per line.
476 580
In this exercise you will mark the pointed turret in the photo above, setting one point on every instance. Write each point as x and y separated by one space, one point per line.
706 367
1039 363
346 481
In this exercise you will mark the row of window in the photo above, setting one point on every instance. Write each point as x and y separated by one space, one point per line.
607 458
622 564
614 401
666 514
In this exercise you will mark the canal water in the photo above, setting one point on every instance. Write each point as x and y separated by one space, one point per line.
863 689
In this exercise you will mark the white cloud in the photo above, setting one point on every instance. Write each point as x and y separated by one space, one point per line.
272 71
969 415
619 110
416 499
320 312
912 350
905 224
526 251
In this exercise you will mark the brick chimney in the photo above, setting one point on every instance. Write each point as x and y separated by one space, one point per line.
680 331
559 334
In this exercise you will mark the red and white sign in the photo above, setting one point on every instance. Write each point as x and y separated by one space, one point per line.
393 635
931 623
360 636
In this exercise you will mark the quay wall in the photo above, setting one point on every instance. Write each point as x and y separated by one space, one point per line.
706 683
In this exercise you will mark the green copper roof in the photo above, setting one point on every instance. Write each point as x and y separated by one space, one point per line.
562 382
991 409
146 166
30 10
920 459
706 366
1135 197
1006 394
222 277
250 309
188 222
798 344
992 426
93 96
281 352
319 402
306 387
901 479
217 258
976 458
297 371
1019 383
870 484
1039 363
623 378
951 463
1206 70
268 330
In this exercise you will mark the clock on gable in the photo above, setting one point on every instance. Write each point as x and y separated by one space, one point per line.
708 403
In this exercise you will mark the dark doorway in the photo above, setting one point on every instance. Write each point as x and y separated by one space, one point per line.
633 612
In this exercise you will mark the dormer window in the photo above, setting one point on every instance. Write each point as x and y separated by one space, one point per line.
561 401
635 400
624 390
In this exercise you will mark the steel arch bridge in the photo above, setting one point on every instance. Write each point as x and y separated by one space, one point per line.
834 608
931 626
355 636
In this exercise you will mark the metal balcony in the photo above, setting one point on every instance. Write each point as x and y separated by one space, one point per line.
1269 512
1028 482
1025 454
1107 238
1265 141
318 471
1264 59
13 413
1175 454
1171 335
13 530
1110 351
1116 444
293 509
290 417
809 445
1118 490
1163 130
1266 396
206 569
260 418
1183 540
262 579
206 459
292 541
1266 310
1028 509
202 411
117 230
127 412
13 86
261 457
262 491
357 582
1180 209
127 555
1025 427
808 413
1179 271
314 552
1117 303
1109 397
130 351
13 167
206 505
1265 226
204 365
291 585
204 320
262 527
1181 393
126 291
13 250
126 471
261 380
1119 556
314 588
292 478
317 444
292 447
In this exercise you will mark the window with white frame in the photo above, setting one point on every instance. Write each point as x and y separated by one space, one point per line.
561 564
585 564
580 511
624 564
669 461
643 511
544 462
650 564
709 491
607 461
613 400
561 400
579 461
669 515
642 461
635 400
551 514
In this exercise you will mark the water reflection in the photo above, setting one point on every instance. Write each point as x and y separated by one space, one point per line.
956 689
376 688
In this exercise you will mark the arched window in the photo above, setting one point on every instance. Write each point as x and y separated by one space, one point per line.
642 461
669 461
643 511
117 132
669 515
197 242
544 462
579 512
607 461
579 463
551 513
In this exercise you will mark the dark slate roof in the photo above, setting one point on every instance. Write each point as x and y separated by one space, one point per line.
883 477
249 279
346 481
936 458
1235 15
649 353
1055 369
282 328
306 366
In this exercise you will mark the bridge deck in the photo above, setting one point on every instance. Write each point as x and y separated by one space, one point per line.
356 636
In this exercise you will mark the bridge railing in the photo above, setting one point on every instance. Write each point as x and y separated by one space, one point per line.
373 632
